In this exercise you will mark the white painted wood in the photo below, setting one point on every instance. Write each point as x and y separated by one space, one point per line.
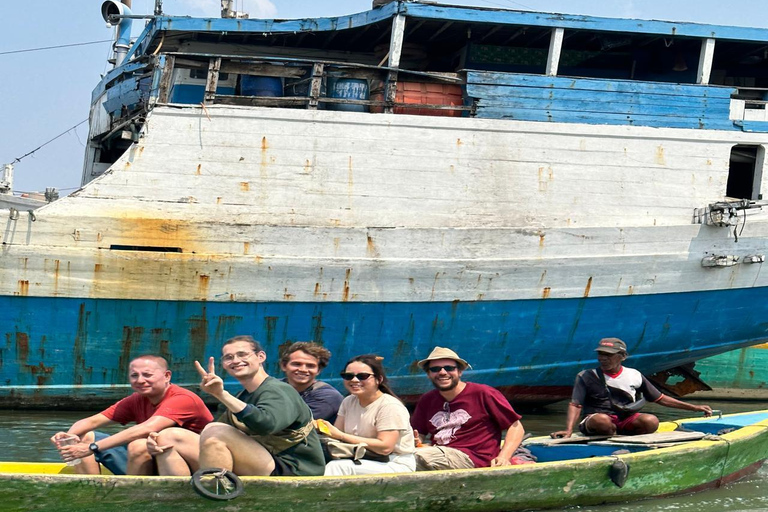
292 205
396 40
706 56
555 48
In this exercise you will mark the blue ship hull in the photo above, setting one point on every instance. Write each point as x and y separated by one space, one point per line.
75 352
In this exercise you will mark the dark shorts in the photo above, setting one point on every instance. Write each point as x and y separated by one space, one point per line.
620 424
114 459
281 468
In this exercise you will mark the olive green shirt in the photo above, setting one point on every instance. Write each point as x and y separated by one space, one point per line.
274 407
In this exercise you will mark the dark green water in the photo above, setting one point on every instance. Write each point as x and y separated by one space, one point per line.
26 434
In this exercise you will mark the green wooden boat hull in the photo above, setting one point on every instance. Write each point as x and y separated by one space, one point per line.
685 467
741 373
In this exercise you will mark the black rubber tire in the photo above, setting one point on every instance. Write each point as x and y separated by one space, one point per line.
219 474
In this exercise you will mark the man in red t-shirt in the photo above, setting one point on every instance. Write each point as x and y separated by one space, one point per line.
464 420
156 405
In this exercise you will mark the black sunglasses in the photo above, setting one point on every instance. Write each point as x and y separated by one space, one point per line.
360 376
447 367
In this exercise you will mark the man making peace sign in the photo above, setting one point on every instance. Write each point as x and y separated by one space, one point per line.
267 428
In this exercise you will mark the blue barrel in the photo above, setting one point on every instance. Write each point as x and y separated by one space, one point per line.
350 89
253 85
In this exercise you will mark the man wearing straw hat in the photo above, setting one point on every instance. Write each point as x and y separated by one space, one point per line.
464 420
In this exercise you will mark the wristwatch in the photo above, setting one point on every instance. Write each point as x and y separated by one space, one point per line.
94 448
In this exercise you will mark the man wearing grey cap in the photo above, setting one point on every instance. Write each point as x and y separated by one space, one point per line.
610 397
464 420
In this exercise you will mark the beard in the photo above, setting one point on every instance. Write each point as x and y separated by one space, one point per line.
445 387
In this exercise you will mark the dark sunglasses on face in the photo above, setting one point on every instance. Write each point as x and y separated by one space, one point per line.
447 367
350 376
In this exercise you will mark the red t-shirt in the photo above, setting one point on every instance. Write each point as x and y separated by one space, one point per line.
472 422
180 405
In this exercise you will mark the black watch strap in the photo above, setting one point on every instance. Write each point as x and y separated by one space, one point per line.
94 447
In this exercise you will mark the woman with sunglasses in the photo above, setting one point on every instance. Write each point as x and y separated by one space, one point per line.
373 415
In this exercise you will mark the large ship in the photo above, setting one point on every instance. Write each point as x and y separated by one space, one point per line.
513 185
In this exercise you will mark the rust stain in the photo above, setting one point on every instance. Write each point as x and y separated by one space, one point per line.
161 342
286 295
131 336
541 239
630 290
270 328
545 292
307 166
660 160
81 343
264 157
371 248
198 335
225 328
245 186
350 175
543 275
459 142
218 200
199 168
23 288
24 262
317 328
345 295
155 232
204 282
588 287
98 267
317 289
141 150
22 346
246 247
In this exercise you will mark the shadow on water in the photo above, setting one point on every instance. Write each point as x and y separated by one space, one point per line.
26 438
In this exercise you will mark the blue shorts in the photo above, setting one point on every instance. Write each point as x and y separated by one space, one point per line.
114 459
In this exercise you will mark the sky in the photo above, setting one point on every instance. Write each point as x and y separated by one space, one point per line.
45 93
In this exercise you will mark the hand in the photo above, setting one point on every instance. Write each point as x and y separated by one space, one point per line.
417 439
55 438
331 431
707 410
153 448
211 383
561 434
500 461
74 451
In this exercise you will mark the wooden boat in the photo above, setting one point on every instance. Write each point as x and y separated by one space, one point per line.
568 473
740 374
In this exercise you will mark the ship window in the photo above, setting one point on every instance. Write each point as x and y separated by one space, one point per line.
144 248
202 74
745 172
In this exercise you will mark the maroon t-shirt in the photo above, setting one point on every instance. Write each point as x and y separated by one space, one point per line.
179 404
472 422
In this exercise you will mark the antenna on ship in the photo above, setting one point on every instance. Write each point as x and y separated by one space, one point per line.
158 7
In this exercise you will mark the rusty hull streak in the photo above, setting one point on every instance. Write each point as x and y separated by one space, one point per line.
545 292
198 335
204 282
23 288
588 287
22 347
345 295
78 348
